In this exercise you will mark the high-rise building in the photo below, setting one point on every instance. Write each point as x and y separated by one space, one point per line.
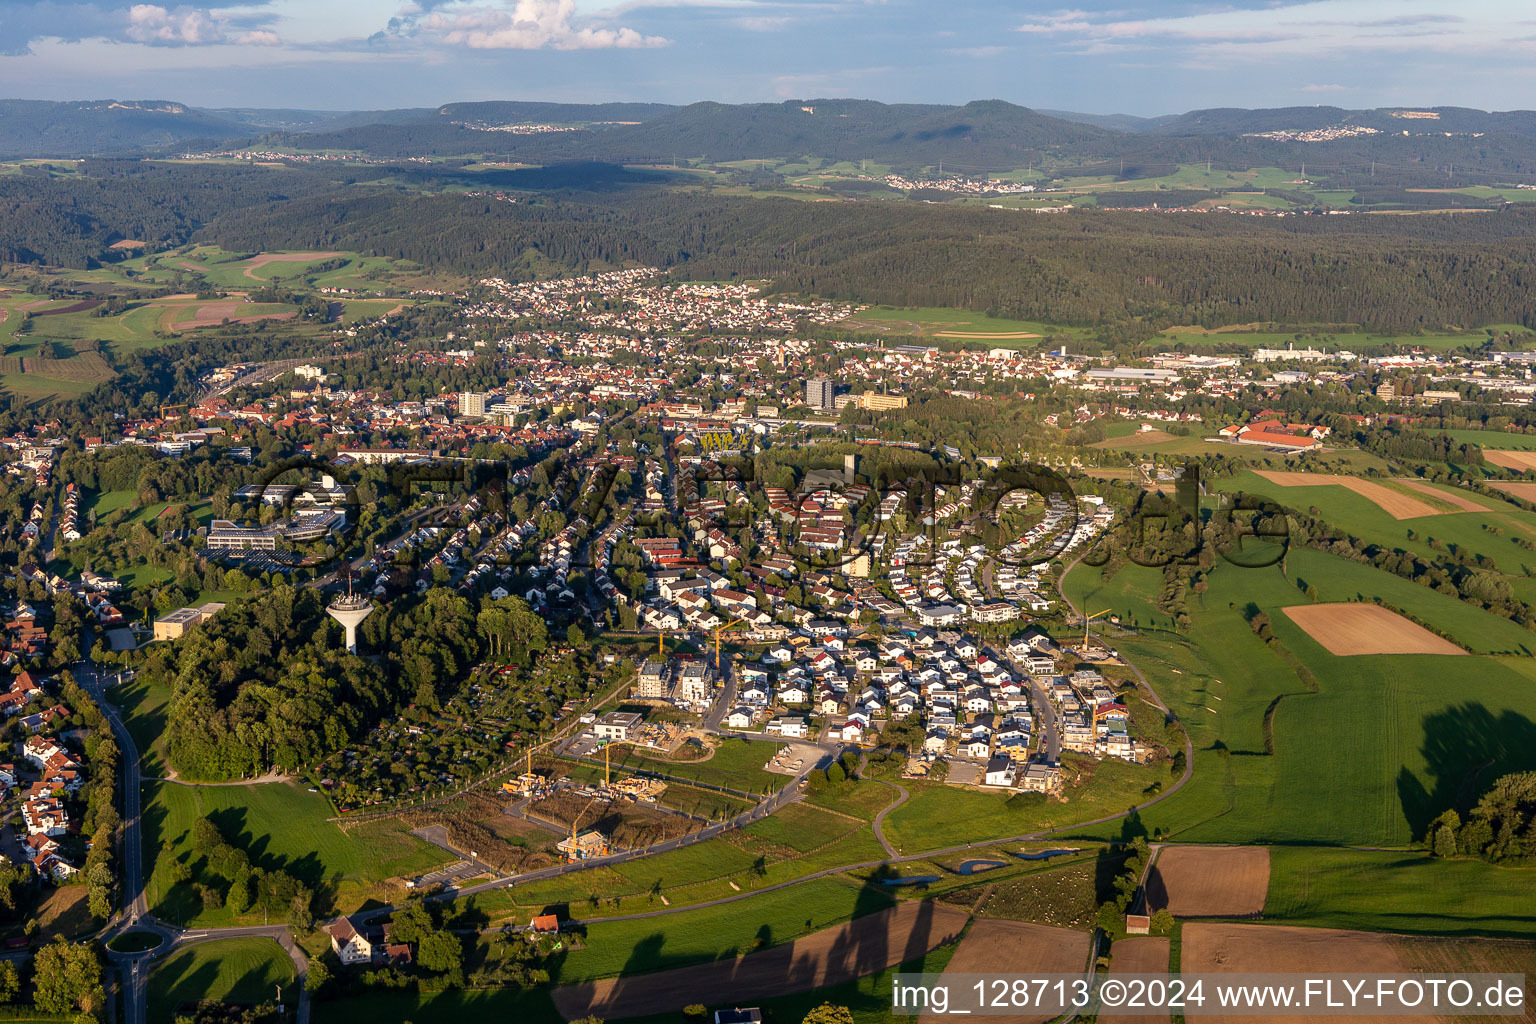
471 403
820 393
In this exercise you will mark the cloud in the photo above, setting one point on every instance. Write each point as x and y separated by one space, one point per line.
189 26
1287 30
1319 87
518 25
211 22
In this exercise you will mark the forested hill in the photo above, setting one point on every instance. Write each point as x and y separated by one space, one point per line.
984 135
1397 273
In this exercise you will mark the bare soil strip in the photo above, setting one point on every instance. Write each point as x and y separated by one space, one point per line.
1393 503
1357 628
1520 461
862 946
1464 503
257 262
1526 492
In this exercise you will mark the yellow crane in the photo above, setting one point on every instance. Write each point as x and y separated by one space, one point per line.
607 761
1089 618
571 852
163 408
721 629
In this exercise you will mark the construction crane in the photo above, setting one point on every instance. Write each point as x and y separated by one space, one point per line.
1089 618
607 761
571 851
163 409
721 629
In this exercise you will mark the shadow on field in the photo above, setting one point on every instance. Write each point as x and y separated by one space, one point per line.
1466 748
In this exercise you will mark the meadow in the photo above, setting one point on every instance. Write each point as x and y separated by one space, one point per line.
1131 594
281 826
247 971
736 764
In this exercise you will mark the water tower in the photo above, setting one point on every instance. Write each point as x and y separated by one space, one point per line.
350 610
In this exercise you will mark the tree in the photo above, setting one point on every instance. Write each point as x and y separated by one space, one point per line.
829 1013
695 1011
1162 922
442 953
317 975
67 978
10 982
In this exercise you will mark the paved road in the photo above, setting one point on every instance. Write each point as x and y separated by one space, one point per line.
879 822
134 968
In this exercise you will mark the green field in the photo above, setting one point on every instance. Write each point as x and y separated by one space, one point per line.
1431 537
929 321
939 816
797 841
145 708
1497 440
1410 893
281 826
736 764
1320 337
1385 742
245 971
694 936
1131 594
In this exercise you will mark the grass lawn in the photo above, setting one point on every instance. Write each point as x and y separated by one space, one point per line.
245 971
104 503
1410 893
144 708
1384 744
281 826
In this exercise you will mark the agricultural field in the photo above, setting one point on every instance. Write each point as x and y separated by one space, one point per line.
281 826
1283 749
1410 892
1449 525
245 971
1209 881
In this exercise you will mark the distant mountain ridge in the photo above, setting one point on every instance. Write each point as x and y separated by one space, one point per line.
980 135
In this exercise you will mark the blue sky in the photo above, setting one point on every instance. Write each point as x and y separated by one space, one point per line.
1104 56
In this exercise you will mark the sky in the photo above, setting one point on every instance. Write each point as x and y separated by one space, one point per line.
1141 57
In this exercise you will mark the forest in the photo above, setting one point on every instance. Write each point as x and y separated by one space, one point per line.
1388 273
